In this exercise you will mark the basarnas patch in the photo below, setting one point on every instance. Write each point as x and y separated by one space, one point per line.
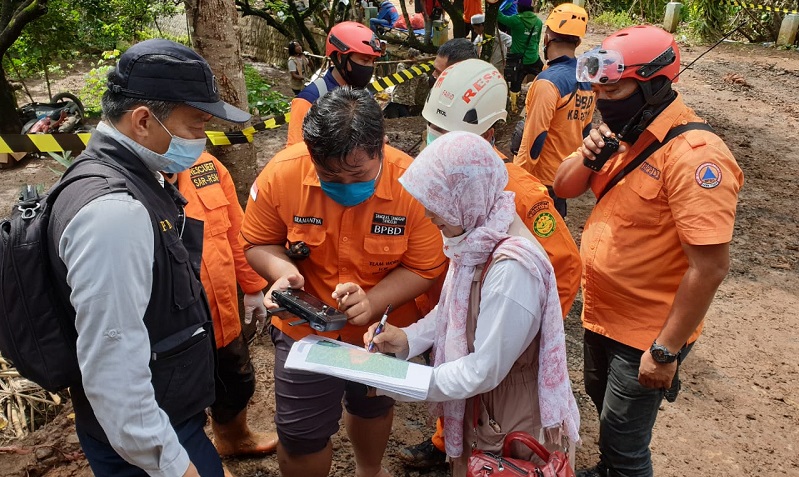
708 175
544 224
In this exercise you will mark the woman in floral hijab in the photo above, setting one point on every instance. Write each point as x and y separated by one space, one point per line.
511 362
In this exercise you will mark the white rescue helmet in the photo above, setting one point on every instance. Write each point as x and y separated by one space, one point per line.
468 96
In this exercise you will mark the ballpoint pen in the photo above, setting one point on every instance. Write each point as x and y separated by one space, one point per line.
379 329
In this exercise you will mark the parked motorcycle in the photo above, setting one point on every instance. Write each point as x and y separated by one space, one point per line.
63 114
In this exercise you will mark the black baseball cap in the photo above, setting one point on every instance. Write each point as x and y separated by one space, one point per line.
163 70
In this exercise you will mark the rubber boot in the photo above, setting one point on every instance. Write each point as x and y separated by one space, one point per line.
514 102
235 438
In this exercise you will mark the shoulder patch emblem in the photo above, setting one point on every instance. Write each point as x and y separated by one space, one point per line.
544 224
708 175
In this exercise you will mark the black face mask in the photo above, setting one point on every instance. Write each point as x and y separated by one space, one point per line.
617 113
358 75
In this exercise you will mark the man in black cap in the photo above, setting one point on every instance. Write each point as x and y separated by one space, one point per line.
129 262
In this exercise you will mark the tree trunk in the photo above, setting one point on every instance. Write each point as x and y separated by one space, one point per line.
14 16
216 36
9 119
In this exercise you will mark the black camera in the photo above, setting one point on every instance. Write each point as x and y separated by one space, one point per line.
610 148
308 308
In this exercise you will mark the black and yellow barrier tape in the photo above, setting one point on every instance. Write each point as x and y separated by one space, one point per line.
43 142
61 142
396 78
760 7
219 138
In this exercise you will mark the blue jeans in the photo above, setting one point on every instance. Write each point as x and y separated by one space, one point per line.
627 410
377 25
104 460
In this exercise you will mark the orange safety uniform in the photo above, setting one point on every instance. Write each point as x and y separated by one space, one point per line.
211 196
559 112
471 7
299 108
302 103
360 244
686 192
537 211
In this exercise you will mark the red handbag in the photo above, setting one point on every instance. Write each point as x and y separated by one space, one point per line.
484 464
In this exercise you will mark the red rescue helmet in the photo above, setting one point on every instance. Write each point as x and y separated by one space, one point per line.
352 37
647 52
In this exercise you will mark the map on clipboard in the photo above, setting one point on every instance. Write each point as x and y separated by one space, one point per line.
335 358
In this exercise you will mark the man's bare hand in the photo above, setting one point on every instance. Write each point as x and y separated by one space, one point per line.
652 374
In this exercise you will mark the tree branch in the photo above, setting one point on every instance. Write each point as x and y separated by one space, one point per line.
27 12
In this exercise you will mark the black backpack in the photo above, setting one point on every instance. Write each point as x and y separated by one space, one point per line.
37 324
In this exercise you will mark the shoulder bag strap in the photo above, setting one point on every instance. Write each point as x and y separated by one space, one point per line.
643 155
476 400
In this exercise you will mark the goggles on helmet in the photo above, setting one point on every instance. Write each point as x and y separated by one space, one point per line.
600 66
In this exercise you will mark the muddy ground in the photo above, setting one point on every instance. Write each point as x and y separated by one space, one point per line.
738 413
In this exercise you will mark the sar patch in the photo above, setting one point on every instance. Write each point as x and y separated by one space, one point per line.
203 175
537 207
544 224
708 175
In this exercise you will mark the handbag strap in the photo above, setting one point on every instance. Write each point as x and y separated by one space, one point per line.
644 155
479 397
526 439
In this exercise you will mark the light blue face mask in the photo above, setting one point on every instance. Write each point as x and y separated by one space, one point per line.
350 194
432 135
182 153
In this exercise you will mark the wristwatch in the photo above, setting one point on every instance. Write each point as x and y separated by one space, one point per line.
661 354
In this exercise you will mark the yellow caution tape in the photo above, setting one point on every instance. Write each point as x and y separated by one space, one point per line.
43 142
219 138
396 78
77 142
760 7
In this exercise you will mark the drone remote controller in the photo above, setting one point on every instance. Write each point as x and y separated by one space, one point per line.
319 315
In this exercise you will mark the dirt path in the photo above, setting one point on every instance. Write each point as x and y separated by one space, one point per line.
739 409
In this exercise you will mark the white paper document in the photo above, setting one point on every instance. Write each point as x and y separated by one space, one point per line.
335 358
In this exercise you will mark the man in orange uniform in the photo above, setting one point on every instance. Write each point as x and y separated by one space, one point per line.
480 94
656 245
471 8
212 199
370 245
353 49
559 108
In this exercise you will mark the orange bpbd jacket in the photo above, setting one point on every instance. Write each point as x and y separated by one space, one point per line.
361 244
211 197
686 192
536 209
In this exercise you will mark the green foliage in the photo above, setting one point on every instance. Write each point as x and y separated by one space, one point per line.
65 159
616 20
77 28
639 11
709 18
94 85
263 100
149 33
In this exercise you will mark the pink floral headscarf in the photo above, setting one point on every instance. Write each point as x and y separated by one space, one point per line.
461 178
